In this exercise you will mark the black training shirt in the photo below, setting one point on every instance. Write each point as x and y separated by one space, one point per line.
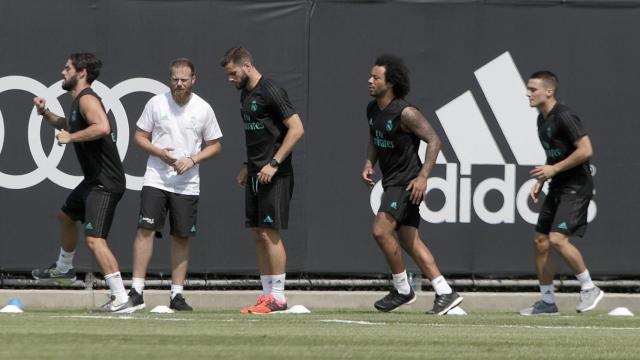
558 134
263 111
99 159
396 149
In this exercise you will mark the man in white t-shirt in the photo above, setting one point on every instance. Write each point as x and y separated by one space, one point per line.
179 130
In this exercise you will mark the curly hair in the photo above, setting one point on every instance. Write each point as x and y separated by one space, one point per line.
396 73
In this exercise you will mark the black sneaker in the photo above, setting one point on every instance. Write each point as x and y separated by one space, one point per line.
179 304
54 276
136 299
394 300
445 302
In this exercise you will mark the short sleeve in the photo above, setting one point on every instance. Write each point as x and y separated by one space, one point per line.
145 122
211 130
573 126
277 97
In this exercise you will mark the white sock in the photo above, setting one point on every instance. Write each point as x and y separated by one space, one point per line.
401 283
114 281
546 292
266 284
137 284
441 286
277 286
585 280
175 290
65 260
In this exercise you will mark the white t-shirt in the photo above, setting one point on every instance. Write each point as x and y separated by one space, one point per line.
182 128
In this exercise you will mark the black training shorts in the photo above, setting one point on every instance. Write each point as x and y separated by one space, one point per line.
564 213
267 205
397 203
183 211
94 206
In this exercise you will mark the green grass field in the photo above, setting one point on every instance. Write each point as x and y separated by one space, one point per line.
320 335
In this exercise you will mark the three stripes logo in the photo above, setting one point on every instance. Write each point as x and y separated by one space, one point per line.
474 146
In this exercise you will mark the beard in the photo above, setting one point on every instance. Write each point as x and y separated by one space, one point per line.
181 96
244 80
68 85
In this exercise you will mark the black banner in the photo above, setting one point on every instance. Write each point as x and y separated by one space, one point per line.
469 62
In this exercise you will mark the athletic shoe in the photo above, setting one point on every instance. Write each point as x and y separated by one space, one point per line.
589 299
540 308
394 300
269 305
55 276
137 299
115 307
445 302
178 303
248 309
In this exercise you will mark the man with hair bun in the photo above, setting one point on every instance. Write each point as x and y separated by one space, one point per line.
93 202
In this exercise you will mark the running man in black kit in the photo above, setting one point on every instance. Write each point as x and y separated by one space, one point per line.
94 200
564 211
272 128
396 129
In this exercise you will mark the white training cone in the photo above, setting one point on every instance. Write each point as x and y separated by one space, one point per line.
11 309
457 311
162 309
620 311
297 309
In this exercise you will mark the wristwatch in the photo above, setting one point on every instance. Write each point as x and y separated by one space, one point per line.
274 163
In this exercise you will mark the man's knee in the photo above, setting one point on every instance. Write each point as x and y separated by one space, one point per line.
557 239
145 234
383 226
94 242
264 235
541 242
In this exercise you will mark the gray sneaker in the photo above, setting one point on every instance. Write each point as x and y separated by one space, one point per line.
540 308
589 299
51 275
115 307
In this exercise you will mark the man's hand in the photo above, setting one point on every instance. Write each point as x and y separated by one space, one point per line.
242 176
165 156
64 137
266 174
543 172
535 190
367 173
418 187
183 165
40 104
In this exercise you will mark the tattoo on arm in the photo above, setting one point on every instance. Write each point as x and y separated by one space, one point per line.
60 123
413 121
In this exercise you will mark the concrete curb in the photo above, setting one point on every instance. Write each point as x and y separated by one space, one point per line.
235 299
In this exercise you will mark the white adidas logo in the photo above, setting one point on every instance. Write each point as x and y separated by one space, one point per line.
473 144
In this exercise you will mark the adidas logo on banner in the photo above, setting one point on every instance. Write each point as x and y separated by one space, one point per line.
474 145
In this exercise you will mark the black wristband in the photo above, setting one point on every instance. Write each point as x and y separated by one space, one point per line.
43 112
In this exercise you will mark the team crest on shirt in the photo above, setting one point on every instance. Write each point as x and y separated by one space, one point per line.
74 116
389 125
254 106
370 121
549 132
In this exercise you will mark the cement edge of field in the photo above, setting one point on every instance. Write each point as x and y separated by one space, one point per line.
234 299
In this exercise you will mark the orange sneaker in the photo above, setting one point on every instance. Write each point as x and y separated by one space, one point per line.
248 309
270 304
